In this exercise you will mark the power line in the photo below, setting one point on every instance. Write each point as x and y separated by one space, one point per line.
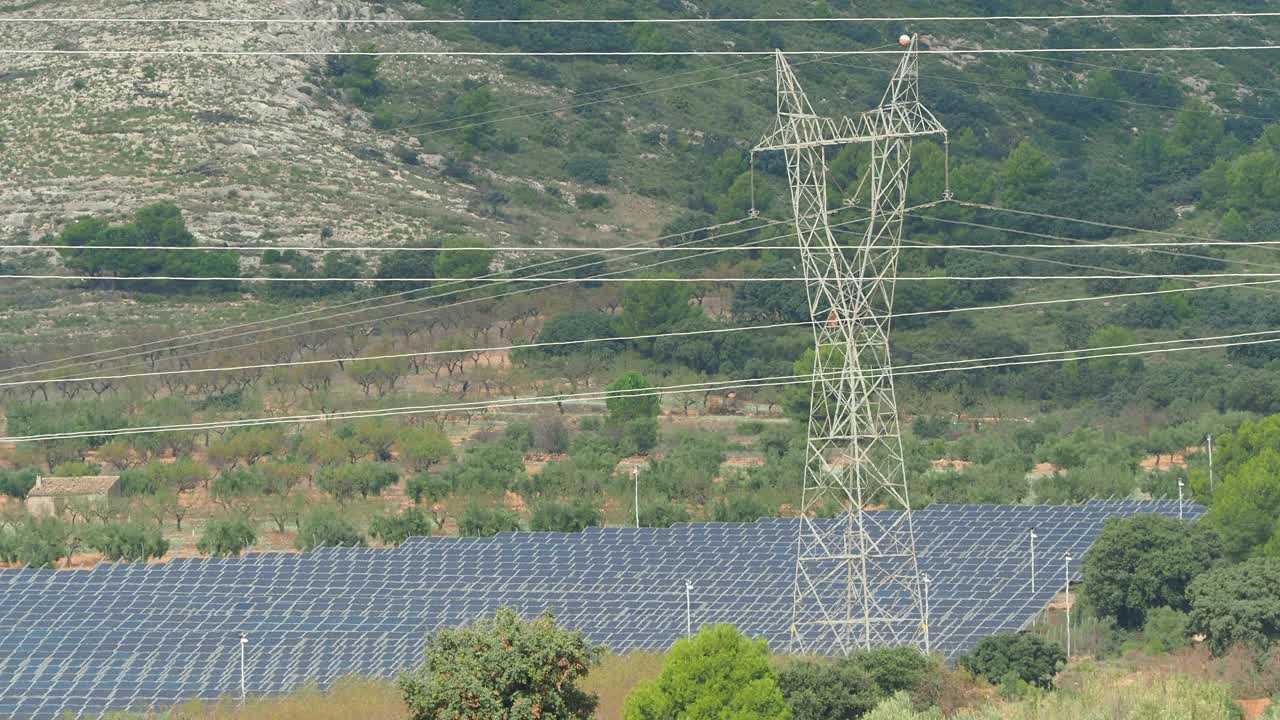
604 394
398 303
1121 101
587 341
626 53
674 280
634 21
403 294
1179 78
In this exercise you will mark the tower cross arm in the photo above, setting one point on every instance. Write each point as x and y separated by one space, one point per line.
887 122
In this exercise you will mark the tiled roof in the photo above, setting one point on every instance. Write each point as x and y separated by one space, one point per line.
82 485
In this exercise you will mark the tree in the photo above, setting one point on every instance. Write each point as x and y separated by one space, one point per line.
653 307
227 536
454 263
1025 174
662 514
345 481
1029 658
395 529
1237 605
1246 500
564 517
17 483
127 542
828 690
423 447
357 74
42 542
1144 562
715 674
478 521
573 327
324 527
739 508
235 487
633 413
503 667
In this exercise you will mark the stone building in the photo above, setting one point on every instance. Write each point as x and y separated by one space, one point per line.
50 494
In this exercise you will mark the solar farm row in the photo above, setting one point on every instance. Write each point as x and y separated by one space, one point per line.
137 636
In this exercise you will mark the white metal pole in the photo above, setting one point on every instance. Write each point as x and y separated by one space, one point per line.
925 624
1179 499
635 474
1033 561
1066 574
244 640
688 608
1210 439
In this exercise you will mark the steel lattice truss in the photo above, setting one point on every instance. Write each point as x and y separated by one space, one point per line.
859 581
138 636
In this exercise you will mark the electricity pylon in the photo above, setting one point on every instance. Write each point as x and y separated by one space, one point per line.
857 582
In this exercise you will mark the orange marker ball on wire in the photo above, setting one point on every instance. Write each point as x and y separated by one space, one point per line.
905 40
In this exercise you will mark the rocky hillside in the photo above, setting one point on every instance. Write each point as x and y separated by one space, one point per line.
251 148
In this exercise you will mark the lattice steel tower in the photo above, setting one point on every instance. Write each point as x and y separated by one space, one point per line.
857 581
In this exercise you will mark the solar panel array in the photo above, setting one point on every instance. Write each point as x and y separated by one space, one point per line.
137 636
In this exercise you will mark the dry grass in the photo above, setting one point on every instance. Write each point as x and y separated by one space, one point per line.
616 676
349 698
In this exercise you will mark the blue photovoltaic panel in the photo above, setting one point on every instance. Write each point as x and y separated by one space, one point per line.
142 636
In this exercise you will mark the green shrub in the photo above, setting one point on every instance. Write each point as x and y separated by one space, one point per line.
717 673
1026 657
395 529
325 527
1165 630
478 521
127 542
227 536
540 667
564 517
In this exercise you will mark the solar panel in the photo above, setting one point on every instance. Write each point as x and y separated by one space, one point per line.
147 636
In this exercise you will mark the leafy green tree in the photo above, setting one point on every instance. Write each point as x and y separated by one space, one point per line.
479 521
715 674
423 447
828 690
357 74
487 466
1029 658
160 224
1026 173
772 301
17 483
407 263
429 487
503 667
662 514
325 527
346 481
234 487
575 326
395 529
573 516
739 508
462 263
227 536
1143 562
1237 605
1246 502
127 542
653 307
633 413
1165 630
42 542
